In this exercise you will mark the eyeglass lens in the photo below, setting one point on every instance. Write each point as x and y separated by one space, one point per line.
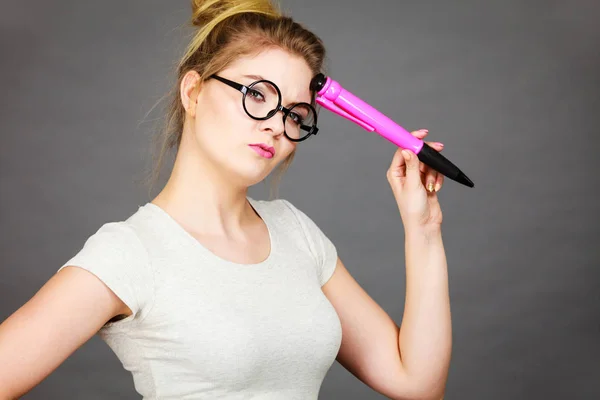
261 101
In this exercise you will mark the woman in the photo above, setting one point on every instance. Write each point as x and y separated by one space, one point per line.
206 293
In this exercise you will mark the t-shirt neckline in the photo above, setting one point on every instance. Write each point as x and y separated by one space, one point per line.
208 253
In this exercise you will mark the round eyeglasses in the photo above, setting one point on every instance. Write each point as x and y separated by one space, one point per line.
262 100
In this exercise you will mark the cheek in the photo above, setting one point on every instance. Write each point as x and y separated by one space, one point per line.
221 122
286 148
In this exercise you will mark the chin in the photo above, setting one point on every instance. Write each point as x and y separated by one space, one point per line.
251 173
254 176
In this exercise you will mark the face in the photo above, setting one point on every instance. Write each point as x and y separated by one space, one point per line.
224 132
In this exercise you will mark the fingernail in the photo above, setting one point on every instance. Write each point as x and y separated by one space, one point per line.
430 186
424 130
437 187
440 144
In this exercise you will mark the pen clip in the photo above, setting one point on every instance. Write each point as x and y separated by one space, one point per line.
331 106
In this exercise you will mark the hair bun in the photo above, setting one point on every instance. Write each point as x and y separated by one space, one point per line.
205 11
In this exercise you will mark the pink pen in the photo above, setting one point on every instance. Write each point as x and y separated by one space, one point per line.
333 97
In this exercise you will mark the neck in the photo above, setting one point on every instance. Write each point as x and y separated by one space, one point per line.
204 199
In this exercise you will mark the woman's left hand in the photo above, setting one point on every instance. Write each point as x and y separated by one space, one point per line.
415 187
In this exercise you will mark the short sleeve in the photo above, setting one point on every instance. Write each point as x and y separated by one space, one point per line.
321 246
117 257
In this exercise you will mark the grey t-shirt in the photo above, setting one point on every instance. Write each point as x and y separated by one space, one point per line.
206 328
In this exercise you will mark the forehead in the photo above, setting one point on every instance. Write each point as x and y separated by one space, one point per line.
289 72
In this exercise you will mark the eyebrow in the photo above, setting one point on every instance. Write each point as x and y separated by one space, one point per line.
260 78
256 77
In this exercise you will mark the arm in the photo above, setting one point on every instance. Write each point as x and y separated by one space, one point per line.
411 362
425 338
65 313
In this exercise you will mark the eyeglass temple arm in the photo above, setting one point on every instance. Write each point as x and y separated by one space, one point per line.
233 84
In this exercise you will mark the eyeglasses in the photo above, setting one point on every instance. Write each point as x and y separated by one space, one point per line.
262 100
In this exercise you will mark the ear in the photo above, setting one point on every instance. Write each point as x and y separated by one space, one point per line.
189 89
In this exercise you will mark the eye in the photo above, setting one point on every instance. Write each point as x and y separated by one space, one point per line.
256 95
297 118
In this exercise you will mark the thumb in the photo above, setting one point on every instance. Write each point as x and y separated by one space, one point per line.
413 175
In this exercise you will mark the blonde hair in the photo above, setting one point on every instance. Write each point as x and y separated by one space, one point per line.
227 30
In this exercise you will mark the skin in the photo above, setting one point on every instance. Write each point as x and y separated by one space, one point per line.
215 167
206 194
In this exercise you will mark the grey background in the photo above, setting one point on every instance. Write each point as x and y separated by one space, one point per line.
512 89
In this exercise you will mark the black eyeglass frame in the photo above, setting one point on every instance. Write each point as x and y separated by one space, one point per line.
312 130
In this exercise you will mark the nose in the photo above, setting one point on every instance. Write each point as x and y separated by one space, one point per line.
275 124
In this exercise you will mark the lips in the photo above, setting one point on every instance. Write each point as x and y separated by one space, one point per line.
265 147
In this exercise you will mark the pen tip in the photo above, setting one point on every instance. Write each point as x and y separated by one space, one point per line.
462 178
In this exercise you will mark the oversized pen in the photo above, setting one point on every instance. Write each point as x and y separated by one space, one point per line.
333 97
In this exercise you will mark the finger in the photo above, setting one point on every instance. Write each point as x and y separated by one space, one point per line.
430 179
439 182
398 160
433 199
438 146
425 172
413 175
421 133
397 167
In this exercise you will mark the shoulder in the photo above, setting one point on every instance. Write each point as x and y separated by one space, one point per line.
127 235
117 235
294 221
114 243
115 254
271 206
281 210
